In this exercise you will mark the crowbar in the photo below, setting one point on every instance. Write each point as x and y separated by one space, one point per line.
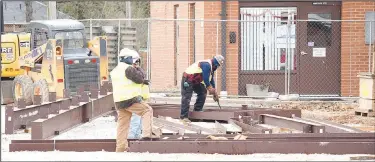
219 104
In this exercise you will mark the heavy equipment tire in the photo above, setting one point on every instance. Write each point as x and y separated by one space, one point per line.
23 87
40 87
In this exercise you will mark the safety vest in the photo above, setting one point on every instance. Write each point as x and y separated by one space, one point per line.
195 68
145 91
124 88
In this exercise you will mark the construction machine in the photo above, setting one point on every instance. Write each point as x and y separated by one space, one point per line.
53 55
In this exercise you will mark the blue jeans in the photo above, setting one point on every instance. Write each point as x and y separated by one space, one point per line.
135 130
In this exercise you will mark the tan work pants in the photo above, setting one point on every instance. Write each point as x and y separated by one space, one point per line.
123 122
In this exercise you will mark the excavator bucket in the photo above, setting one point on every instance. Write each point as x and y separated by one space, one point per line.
6 92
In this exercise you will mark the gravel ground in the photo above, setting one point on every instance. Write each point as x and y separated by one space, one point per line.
342 113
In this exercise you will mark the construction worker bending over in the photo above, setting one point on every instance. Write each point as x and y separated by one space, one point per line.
129 92
199 77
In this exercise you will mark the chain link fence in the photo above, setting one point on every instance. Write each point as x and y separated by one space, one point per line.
305 57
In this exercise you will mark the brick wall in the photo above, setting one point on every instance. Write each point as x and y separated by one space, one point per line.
354 52
164 76
213 32
207 42
14 27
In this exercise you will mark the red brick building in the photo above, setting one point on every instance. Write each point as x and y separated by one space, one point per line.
326 56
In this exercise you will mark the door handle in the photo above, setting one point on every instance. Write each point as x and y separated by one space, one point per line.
303 53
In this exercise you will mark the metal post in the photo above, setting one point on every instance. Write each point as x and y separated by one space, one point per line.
373 57
289 57
223 43
369 50
149 50
128 12
1 32
286 63
52 10
217 43
118 39
350 59
90 29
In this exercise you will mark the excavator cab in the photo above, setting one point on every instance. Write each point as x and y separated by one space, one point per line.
59 58
80 65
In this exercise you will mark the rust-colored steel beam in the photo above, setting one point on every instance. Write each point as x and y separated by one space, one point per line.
176 125
216 115
246 128
81 109
254 115
170 112
250 147
76 114
306 127
336 143
21 117
205 108
332 127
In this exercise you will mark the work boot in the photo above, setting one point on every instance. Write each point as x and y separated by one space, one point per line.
153 137
122 150
186 120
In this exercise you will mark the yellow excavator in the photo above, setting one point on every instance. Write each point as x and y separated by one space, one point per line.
52 55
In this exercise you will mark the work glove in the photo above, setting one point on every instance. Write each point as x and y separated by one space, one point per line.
211 90
147 82
216 97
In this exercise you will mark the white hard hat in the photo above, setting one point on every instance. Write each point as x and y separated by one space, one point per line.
220 59
126 52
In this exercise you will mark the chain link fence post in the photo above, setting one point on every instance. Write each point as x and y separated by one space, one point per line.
149 50
90 29
118 39
369 49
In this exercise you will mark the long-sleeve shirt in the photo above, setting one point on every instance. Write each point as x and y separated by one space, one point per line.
206 71
137 75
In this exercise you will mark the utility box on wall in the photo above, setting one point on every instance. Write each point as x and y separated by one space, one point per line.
370 27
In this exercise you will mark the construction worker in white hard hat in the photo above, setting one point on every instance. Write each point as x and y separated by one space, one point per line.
130 89
198 78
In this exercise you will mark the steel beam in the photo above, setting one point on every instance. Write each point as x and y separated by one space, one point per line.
279 112
171 112
215 115
44 128
336 143
176 125
203 129
306 127
231 122
21 118
220 128
246 128
250 147
332 127
75 114
177 130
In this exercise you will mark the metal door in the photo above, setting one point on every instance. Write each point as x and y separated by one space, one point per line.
318 41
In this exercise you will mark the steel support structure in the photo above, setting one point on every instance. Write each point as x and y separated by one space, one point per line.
51 118
284 122
329 143
332 127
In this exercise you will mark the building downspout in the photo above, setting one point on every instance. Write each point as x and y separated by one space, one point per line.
223 45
